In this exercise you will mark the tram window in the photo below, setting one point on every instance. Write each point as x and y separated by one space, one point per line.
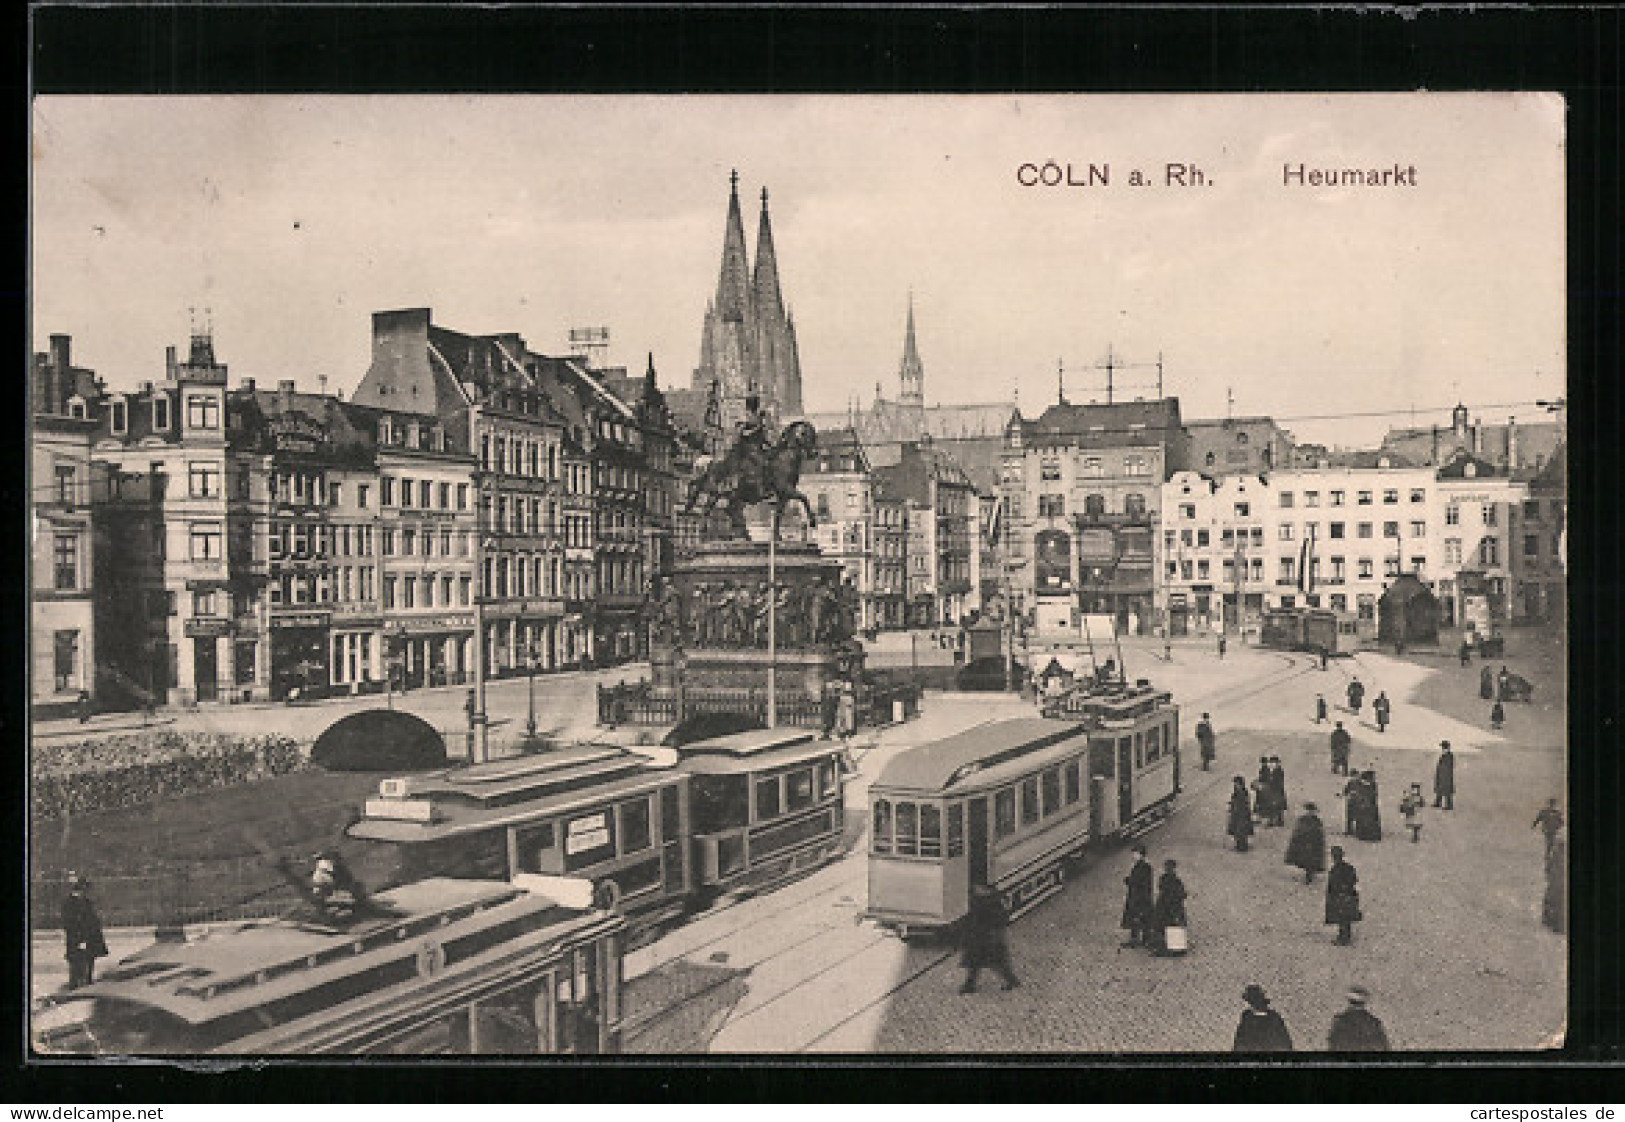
1074 782
1153 744
799 789
956 829
930 830
534 844
671 825
1004 813
1102 761
908 829
1029 802
635 826
880 836
719 802
507 1025
1139 750
826 779
767 798
1052 791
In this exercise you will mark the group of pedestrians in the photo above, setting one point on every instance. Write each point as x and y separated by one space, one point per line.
1262 1029
1155 919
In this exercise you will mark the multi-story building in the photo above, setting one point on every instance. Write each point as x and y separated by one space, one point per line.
839 486
61 608
1087 479
1214 554
1536 538
940 515
1473 504
1238 445
890 587
1514 449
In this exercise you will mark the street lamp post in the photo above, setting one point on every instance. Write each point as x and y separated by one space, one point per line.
530 657
479 741
772 618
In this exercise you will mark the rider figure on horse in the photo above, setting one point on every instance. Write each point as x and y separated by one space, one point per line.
753 437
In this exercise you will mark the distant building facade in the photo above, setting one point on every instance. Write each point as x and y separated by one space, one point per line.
840 488
1238 446
1537 538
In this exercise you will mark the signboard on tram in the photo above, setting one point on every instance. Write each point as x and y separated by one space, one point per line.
589 839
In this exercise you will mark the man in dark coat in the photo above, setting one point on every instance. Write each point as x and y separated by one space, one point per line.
1486 683
1356 694
1353 791
1170 907
984 939
1140 899
1261 1028
1356 1029
1307 847
82 928
1342 897
1277 792
1264 784
1342 743
1498 716
1205 738
1368 815
1549 821
1240 825
1444 778
1382 709
1321 711
1221 646
1501 680
1465 653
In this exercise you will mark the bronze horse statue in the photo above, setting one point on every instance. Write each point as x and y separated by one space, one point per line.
744 477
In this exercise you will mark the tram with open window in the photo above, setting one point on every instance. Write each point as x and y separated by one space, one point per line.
1010 803
437 967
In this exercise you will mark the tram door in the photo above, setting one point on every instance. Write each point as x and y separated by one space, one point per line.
1125 781
976 842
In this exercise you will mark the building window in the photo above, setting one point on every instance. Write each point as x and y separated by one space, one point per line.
1416 565
1337 568
1091 467
1051 506
1311 498
120 417
1203 569
203 603
160 413
66 660
1286 499
1136 465
406 493
203 480
205 541
1364 568
1489 552
462 496
1050 469
1390 496
1187 510
1094 506
1365 498
1337 498
1418 495
1365 529
1285 532
1489 514
335 494
1390 567
1390 529
1337 529
1419 529
1289 571
65 480
823 505
426 494
66 556
1452 515
1452 551
1203 537
362 495
202 412
1243 510
386 491
1531 545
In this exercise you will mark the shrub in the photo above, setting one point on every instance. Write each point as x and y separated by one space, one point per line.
77 777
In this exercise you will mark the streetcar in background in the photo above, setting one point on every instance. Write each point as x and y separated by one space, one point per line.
1311 630
654 832
437 967
1008 804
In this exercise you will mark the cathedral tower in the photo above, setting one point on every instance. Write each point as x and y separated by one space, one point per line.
911 374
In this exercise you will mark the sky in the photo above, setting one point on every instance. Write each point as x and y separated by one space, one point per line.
284 222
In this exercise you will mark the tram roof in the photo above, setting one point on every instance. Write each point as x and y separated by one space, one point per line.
748 743
499 782
756 750
259 963
937 766
452 816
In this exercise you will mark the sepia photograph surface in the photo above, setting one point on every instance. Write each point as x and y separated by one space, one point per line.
804 575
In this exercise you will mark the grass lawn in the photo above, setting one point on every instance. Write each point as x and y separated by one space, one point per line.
198 856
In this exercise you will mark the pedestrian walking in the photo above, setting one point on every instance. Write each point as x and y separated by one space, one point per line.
1486 683
1550 822
1444 778
1325 657
984 940
1356 1028
1498 716
1169 920
82 929
1342 743
1278 792
1240 826
1205 738
1264 788
1261 1028
1368 813
829 709
1382 709
84 706
1465 653
1221 648
1356 695
1321 712
1411 807
1351 794
1139 902
1553 907
1501 680
1342 897
846 711
1167 650
1306 849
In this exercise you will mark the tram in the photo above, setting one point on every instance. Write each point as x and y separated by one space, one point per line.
655 833
1310 629
437 967
1008 803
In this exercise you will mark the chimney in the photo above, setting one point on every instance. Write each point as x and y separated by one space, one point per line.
169 362
61 348
284 391
1433 459
248 385
321 384
1512 444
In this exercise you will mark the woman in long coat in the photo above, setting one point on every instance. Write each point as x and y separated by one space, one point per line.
1170 907
1139 901
1240 825
1368 822
1265 786
1342 897
1486 683
1307 847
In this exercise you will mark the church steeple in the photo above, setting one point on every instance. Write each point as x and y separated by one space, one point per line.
912 372
733 294
766 281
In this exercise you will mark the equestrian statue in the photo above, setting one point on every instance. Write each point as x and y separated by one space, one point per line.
757 468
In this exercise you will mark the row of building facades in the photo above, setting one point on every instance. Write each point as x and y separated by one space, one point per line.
196 541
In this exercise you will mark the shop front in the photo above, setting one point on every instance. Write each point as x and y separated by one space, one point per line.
299 655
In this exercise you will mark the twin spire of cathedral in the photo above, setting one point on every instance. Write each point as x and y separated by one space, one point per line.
911 374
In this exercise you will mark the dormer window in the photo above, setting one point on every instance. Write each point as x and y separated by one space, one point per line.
120 416
76 407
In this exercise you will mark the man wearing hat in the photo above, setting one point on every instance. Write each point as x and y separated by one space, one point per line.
1137 904
1205 739
1356 1028
1342 897
1261 1028
1444 778
1307 847
1342 743
82 928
